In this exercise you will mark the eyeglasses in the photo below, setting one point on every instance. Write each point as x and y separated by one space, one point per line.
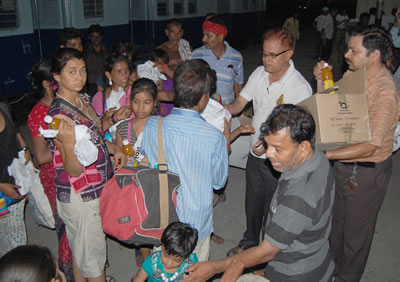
273 55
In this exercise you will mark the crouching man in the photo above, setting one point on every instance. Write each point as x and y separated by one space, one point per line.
297 229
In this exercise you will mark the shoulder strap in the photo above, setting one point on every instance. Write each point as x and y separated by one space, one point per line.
129 130
163 177
103 101
72 107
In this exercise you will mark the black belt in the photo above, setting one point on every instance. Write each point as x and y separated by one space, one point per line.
362 164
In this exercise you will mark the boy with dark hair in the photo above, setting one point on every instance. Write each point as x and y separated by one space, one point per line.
177 244
194 149
70 37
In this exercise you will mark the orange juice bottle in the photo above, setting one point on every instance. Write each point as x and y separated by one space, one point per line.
128 151
327 78
52 122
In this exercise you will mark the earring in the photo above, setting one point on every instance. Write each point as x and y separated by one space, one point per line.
110 82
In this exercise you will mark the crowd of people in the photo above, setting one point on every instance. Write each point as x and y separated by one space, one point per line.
316 220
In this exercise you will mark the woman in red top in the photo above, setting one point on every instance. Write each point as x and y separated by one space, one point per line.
41 82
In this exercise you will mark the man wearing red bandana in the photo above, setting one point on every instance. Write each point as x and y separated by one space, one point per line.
226 61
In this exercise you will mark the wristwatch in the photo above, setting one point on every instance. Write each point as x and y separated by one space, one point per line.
25 148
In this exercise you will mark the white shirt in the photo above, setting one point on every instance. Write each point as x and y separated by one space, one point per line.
329 26
293 88
340 18
319 21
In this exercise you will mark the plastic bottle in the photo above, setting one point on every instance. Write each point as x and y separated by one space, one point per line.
327 78
128 151
52 122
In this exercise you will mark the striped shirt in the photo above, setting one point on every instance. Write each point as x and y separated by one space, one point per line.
299 223
197 152
229 69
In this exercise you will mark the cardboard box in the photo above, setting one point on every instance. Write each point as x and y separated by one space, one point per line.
341 119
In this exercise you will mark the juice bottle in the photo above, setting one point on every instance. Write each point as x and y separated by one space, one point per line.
327 78
52 122
128 151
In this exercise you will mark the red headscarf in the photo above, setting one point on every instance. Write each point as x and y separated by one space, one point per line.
215 28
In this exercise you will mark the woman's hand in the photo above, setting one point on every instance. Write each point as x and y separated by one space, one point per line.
66 132
119 158
122 113
10 190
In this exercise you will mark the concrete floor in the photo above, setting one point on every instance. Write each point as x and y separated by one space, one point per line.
229 216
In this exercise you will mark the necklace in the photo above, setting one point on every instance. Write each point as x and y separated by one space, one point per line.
172 278
66 100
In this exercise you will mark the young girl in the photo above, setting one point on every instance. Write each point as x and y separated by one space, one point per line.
117 73
41 79
78 188
143 100
177 244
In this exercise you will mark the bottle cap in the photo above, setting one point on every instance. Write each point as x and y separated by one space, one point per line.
48 119
125 142
326 65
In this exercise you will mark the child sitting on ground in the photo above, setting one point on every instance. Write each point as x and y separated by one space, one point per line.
177 244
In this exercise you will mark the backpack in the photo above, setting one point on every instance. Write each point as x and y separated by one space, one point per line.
138 203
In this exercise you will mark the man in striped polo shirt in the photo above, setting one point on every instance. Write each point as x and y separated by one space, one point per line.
299 222
226 61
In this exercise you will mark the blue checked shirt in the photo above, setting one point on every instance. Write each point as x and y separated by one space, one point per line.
229 69
197 152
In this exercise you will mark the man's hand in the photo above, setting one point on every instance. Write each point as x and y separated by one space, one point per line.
10 190
318 74
201 271
259 148
247 128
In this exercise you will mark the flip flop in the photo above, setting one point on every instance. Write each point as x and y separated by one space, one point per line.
234 251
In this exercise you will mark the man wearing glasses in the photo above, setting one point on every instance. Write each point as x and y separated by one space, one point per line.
276 82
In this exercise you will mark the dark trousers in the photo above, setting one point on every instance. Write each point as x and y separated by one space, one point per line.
326 50
261 182
354 216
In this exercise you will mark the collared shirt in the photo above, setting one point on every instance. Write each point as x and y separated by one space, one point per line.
197 152
383 111
299 222
395 32
229 69
292 88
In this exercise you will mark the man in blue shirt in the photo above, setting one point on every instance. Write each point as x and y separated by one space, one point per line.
226 61
194 149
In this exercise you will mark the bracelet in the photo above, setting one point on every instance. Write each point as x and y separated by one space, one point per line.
113 120
229 148
25 148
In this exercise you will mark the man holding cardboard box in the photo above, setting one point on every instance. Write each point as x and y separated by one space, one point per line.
276 82
363 171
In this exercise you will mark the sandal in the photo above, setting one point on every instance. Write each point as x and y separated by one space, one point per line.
234 251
